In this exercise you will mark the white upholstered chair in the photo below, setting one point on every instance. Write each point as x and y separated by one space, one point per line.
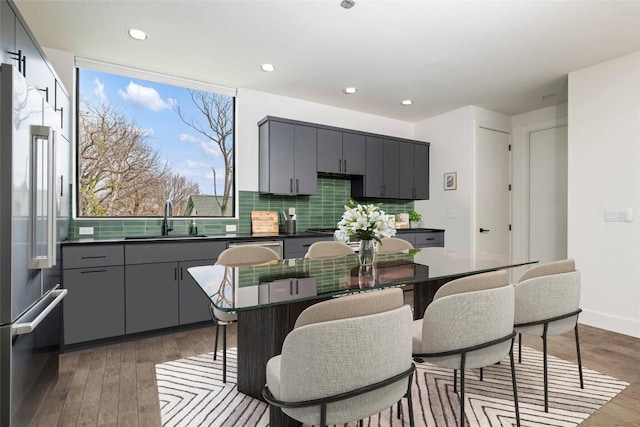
346 359
547 303
469 324
237 256
393 245
328 249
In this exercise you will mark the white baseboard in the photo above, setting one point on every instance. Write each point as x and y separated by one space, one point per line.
610 322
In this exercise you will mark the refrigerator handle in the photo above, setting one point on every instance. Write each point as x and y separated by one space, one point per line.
28 327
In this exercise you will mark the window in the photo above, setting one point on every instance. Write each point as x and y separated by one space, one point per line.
142 142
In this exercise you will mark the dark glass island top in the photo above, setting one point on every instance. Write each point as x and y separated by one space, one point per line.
290 280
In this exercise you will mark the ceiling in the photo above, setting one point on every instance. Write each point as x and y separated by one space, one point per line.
500 55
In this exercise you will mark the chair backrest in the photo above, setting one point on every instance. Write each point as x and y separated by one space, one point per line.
393 245
239 256
476 282
328 358
546 291
549 268
470 311
360 304
328 249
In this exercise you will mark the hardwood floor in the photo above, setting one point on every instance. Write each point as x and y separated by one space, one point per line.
115 385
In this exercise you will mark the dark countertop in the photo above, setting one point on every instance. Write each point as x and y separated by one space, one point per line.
227 236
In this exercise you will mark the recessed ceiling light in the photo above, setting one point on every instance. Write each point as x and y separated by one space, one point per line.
407 102
137 34
267 67
350 90
347 4
549 96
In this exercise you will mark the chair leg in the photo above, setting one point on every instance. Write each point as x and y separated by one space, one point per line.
360 423
410 401
579 357
399 409
481 374
519 348
515 388
544 361
215 348
455 380
462 389
224 353
323 415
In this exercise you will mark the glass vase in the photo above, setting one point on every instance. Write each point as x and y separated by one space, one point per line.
366 276
367 252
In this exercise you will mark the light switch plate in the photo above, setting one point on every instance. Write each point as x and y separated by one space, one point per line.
230 227
85 231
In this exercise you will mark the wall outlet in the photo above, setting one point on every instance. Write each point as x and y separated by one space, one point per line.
85 231
230 227
452 214
625 215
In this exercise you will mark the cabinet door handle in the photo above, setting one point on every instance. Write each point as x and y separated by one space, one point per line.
175 273
61 185
431 238
297 291
46 93
291 186
339 165
290 287
61 109
180 273
484 230
297 186
93 271
345 166
24 66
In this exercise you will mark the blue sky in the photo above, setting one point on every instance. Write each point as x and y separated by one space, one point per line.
149 105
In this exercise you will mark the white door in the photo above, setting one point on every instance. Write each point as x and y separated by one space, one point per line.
492 191
548 194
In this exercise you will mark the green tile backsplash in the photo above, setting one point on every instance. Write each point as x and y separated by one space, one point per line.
323 209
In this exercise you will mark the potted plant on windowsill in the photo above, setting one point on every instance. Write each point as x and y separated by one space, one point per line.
414 219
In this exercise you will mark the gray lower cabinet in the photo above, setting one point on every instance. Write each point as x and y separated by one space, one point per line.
194 306
94 307
423 239
152 296
296 247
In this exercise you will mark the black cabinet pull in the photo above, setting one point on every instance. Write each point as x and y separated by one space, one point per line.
93 257
431 238
180 273
46 93
484 230
291 185
297 186
24 66
175 273
297 291
17 56
61 185
61 109
345 166
339 165
93 271
290 287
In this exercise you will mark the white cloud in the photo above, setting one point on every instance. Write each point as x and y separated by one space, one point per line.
211 148
146 97
185 137
98 90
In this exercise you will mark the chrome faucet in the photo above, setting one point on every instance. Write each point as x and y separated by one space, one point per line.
168 214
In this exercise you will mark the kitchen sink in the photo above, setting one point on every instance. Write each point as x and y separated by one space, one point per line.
160 237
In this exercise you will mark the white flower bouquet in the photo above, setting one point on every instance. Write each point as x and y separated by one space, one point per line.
366 222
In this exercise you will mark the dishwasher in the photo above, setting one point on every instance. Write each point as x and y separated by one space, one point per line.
275 245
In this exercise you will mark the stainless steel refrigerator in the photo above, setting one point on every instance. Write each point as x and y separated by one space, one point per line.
30 309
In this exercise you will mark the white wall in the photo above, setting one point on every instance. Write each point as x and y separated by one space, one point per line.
252 106
451 136
604 173
523 124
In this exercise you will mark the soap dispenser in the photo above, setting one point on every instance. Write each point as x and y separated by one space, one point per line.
193 228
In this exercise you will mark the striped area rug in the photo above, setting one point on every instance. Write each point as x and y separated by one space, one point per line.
191 393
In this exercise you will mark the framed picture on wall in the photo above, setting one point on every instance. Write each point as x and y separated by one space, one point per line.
450 181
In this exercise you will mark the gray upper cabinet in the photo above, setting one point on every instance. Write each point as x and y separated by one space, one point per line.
382 169
293 152
287 158
414 171
340 153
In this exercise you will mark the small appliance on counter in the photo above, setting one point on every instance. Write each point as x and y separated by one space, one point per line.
402 221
